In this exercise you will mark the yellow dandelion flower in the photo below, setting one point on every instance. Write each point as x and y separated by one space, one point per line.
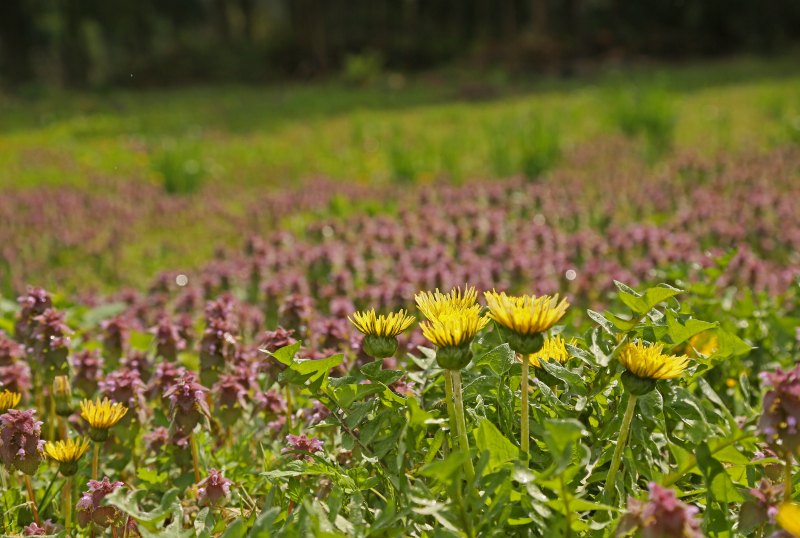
525 314
68 451
455 328
9 400
435 303
101 416
648 361
553 349
789 518
391 325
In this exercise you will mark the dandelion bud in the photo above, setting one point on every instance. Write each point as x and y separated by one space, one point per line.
62 395
523 344
453 357
379 347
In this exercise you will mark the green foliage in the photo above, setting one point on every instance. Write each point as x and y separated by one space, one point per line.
180 168
648 114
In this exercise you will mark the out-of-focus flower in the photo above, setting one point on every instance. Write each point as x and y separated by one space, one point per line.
663 516
20 443
272 341
764 506
317 413
780 418
168 339
703 344
156 439
230 398
16 377
554 349
101 415
32 304
126 387
789 518
214 488
115 338
525 317
217 338
187 403
90 507
303 445
46 529
10 351
9 400
50 343
88 367
62 395
67 454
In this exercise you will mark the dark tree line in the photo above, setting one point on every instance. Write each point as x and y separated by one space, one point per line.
97 42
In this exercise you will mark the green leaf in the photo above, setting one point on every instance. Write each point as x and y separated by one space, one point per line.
374 371
204 523
444 470
642 304
141 341
561 436
719 484
285 355
489 439
679 333
598 318
237 529
499 359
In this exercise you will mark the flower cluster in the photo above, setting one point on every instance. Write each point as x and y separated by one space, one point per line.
780 420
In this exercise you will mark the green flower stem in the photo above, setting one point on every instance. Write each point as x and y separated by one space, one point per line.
618 451
448 395
195 458
32 497
524 421
461 424
68 504
787 479
95 460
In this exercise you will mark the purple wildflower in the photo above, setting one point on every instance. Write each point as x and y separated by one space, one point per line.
214 488
90 507
20 443
663 516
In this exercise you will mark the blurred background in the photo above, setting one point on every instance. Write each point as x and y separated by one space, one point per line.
93 43
140 138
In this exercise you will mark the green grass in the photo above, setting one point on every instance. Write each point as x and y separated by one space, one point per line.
420 129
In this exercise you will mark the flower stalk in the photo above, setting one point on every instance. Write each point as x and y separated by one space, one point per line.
616 460
524 424
788 486
461 424
32 497
195 457
95 460
68 504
